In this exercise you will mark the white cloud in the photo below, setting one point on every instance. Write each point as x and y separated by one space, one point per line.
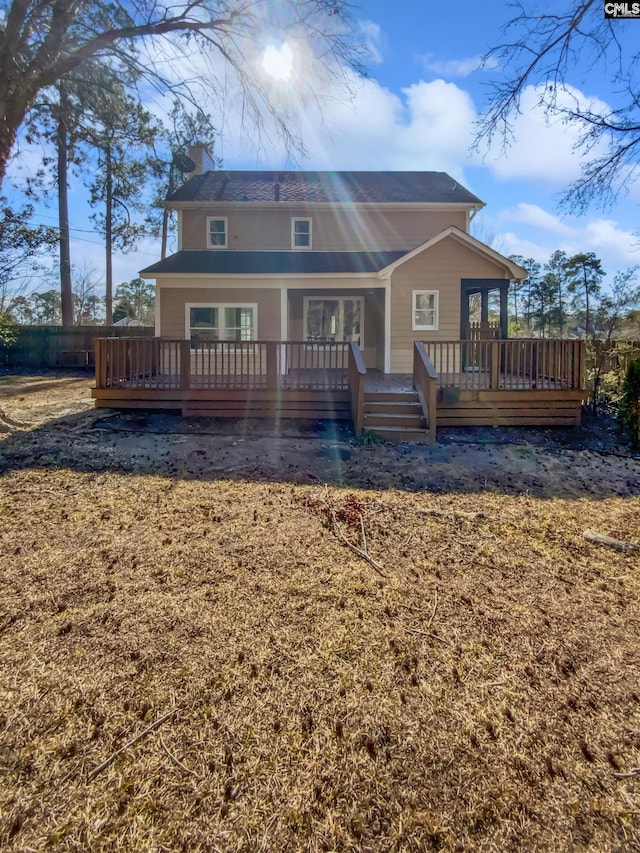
537 217
372 40
543 147
427 126
508 243
614 244
457 67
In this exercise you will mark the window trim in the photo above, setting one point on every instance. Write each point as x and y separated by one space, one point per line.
295 219
221 327
226 231
415 327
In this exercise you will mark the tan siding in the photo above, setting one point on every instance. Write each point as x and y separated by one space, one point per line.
439 268
173 303
341 230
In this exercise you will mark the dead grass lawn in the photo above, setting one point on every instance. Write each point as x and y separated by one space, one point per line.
482 694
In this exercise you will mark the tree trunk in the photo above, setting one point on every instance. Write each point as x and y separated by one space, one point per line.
586 321
560 310
11 119
108 301
66 290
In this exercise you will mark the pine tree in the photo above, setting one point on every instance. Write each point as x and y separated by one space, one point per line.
584 273
121 136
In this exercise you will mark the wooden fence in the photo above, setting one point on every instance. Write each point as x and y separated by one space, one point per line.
63 346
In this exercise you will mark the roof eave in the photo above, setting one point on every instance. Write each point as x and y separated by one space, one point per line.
327 205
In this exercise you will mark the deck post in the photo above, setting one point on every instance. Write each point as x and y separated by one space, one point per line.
356 373
272 365
582 355
100 363
494 380
425 381
185 365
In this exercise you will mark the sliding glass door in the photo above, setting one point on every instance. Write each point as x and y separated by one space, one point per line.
335 318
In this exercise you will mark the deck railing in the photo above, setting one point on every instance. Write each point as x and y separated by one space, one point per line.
425 381
517 364
356 380
159 363
484 331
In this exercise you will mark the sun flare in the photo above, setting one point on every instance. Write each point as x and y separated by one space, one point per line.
278 61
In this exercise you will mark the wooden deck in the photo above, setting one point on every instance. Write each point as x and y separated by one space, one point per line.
463 383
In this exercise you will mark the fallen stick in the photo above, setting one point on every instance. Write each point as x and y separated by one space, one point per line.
176 760
635 771
109 761
364 537
435 607
618 544
455 513
363 554
427 634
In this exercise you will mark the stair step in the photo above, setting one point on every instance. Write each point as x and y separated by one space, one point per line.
398 434
393 408
390 397
377 420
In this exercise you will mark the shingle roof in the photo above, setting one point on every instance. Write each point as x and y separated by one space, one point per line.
231 262
291 187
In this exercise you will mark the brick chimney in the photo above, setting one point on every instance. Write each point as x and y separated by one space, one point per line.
203 159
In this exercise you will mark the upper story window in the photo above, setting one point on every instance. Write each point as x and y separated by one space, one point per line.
425 310
217 232
301 233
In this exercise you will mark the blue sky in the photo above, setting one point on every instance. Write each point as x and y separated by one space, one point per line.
417 111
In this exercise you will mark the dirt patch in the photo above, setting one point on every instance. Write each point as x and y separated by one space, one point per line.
49 420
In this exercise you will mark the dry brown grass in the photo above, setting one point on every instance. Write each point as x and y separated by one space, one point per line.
482 695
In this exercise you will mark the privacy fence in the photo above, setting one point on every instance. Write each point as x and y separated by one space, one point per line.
62 346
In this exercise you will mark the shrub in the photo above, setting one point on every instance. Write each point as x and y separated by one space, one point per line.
629 411
8 334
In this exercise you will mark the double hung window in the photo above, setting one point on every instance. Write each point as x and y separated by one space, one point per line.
301 233
425 310
217 232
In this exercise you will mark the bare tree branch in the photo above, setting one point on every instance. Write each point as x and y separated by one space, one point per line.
40 42
541 51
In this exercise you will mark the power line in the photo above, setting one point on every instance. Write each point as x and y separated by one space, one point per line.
84 239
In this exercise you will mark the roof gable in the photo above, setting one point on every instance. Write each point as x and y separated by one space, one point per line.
325 187
516 272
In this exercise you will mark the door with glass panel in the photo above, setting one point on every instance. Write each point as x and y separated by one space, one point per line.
335 318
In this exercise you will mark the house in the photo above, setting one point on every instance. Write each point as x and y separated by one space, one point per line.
283 279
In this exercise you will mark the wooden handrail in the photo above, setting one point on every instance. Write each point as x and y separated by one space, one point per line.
425 381
357 377
514 364
179 364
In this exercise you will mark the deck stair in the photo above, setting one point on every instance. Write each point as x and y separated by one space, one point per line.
395 415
